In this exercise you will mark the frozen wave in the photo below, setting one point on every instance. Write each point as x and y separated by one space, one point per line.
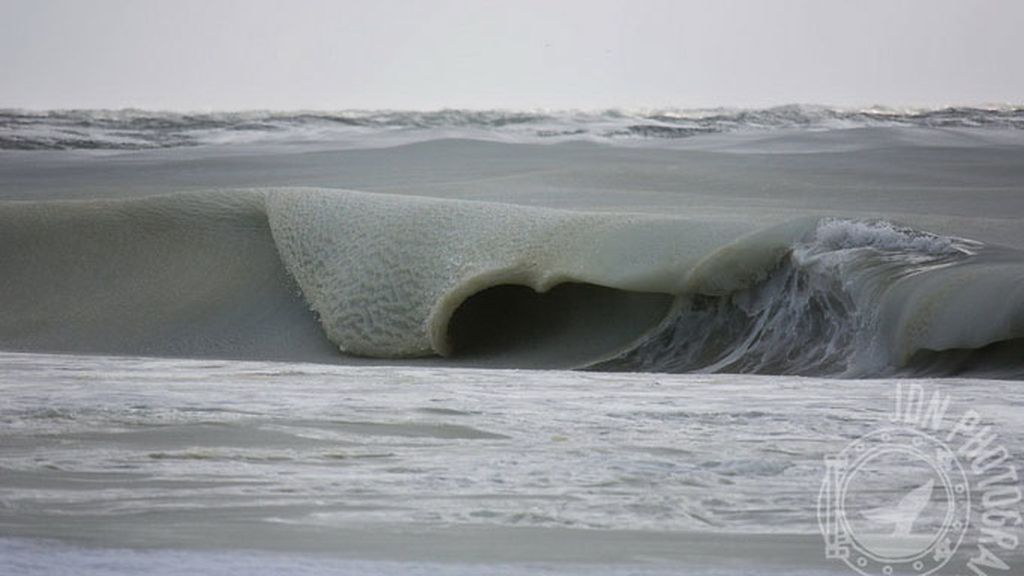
307 274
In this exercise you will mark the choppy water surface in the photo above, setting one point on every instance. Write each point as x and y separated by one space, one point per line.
142 129
306 458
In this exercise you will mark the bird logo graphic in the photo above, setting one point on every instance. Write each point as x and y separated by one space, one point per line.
919 524
903 515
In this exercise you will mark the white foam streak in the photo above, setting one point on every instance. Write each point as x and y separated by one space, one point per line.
140 129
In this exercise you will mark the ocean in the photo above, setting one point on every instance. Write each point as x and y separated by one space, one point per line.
779 341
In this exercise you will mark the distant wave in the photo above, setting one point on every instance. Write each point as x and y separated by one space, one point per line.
309 274
139 129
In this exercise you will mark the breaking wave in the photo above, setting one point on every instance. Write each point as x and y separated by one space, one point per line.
324 275
852 298
139 129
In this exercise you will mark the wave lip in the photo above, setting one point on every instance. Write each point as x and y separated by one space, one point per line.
386 274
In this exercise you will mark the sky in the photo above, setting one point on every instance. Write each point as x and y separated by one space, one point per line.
556 54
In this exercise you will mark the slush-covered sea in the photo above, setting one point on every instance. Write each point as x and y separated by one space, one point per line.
780 341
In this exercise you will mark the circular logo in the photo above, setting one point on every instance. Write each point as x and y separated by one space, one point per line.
895 501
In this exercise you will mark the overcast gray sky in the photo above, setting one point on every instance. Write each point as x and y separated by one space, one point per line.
291 54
